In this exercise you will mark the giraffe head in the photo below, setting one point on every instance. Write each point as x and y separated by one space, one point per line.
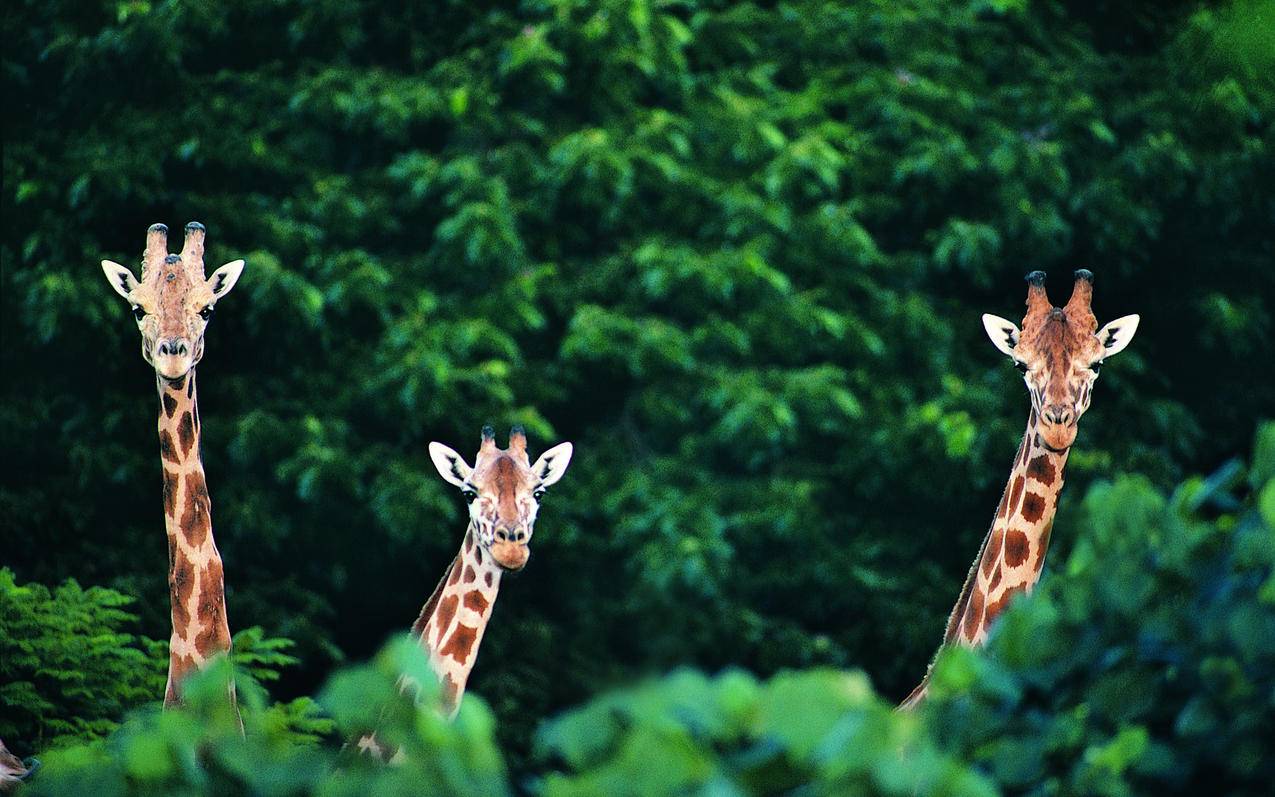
503 490
173 301
1059 351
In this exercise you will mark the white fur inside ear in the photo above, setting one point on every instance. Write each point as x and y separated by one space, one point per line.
552 464
224 278
451 465
121 279
1004 334
1117 334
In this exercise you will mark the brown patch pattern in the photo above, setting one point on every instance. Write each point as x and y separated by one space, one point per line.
1015 493
1044 545
1016 548
446 611
995 580
455 574
196 522
1033 507
469 574
461 643
181 580
186 433
170 404
993 550
974 614
1042 470
995 608
170 493
166 449
476 601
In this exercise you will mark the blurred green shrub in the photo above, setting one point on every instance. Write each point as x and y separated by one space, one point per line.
1146 666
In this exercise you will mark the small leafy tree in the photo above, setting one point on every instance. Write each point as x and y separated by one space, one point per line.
69 669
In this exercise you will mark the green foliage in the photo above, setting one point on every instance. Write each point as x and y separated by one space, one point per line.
822 731
1148 667
68 668
199 750
736 252
1144 666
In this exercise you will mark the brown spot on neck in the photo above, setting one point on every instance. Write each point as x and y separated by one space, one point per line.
476 601
443 617
973 614
196 520
186 432
992 551
1016 548
427 611
181 581
1033 507
460 644
167 450
170 493
1042 469
1015 493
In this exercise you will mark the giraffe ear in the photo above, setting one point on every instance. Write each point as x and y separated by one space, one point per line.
224 278
451 466
121 279
552 464
1004 334
1117 334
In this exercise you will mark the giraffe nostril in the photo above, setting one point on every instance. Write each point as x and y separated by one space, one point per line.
502 535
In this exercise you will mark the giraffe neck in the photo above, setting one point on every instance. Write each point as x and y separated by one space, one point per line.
196 588
1013 552
453 620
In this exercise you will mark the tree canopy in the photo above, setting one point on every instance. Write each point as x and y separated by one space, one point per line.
735 252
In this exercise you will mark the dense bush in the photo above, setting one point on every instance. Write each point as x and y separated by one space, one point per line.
1145 665
69 668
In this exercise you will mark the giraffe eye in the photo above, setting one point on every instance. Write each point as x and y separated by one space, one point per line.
538 494
138 312
1021 366
469 495
206 313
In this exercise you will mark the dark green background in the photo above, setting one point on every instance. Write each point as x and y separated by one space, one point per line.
736 253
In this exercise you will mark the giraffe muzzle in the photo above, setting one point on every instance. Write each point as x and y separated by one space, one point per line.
1057 427
172 357
510 555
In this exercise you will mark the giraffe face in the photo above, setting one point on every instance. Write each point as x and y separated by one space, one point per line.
172 303
1059 351
503 491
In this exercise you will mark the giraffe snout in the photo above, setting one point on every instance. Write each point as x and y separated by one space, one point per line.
175 347
511 534
1061 414
172 357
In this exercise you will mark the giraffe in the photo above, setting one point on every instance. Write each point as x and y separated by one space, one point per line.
1059 352
172 304
503 491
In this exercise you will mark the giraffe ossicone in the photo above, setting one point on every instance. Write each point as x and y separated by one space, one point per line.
1059 352
172 304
